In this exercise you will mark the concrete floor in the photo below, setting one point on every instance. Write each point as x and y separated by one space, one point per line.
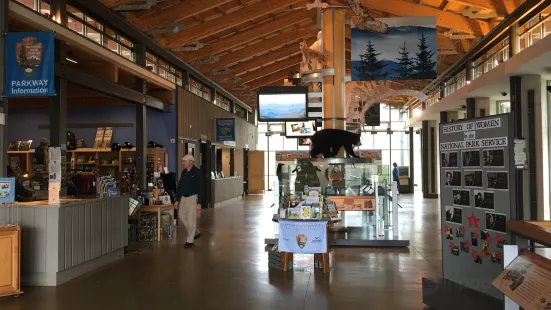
228 269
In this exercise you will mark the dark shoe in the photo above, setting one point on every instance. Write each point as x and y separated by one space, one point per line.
188 245
197 236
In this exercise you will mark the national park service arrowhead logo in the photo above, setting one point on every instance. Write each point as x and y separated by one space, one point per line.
301 240
29 55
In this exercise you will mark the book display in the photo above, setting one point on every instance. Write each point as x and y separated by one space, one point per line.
352 195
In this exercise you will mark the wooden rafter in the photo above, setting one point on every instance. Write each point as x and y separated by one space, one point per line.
276 76
176 13
258 48
251 34
502 7
269 69
233 19
256 62
444 19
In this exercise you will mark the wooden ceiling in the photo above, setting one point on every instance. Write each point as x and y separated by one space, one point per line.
257 41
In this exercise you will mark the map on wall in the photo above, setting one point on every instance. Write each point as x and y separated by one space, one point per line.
406 52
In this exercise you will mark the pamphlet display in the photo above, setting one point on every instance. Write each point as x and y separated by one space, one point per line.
7 190
476 166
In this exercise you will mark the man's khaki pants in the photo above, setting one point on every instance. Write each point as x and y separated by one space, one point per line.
188 216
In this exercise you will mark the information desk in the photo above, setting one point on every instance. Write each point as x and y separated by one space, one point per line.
226 190
61 242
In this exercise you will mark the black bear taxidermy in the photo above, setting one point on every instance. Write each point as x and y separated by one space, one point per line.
328 142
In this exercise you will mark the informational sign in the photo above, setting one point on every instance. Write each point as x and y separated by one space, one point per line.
302 237
29 64
527 281
354 203
520 154
375 154
225 129
291 155
476 160
7 190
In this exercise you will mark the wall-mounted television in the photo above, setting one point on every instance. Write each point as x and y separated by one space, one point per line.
282 103
373 115
300 128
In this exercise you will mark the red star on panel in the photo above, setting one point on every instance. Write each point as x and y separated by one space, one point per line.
485 253
475 234
452 246
473 220
499 255
446 228
499 239
473 253
462 229
488 238
467 244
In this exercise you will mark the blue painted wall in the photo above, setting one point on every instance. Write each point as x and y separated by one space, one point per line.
161 126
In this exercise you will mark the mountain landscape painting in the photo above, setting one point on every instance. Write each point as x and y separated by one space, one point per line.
407 52
281 106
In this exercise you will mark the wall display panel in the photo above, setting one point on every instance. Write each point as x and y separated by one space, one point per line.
476 158
300 128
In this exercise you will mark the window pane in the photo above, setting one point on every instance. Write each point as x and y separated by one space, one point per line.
75 25
125 51
290 144
399 140
92 33
276 142
108 43
367 141
262 127
381 141
385 116
44 8
262 142
27 3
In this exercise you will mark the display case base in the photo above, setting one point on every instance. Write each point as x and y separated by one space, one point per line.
374 242
442 294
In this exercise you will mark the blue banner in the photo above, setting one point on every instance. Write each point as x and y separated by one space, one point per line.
304 237
30 64
225 129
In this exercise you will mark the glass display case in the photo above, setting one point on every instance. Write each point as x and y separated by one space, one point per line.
361 189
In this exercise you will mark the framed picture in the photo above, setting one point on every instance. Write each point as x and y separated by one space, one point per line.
496 222
484 200
449 159
453 178
461 197
454 215
473 178
471 158
498 180
493 158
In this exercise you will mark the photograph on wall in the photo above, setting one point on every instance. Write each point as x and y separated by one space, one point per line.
460 233
453 178
474 238
454 215
405 50
305 128
496 222
484 200
461 197
449 159
455 251
498 180
471 158
493 158
304 141
496 257
473 178
485 235
464 246
449 234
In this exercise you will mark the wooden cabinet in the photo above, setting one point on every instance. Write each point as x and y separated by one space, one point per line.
10 244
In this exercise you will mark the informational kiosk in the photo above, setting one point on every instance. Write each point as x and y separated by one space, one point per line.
477 199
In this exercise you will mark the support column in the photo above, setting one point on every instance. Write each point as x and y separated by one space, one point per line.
471 108
232 162
443 117
516 110
58 11
4 11
141 121
411 161
58 115
514 42
469 72
425 158
333 25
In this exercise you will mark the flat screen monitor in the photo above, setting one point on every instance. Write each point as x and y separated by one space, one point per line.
300 128
282 103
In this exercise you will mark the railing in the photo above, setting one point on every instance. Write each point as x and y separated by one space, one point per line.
491 51
115 42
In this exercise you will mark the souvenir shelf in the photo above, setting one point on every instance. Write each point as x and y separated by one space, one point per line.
25 159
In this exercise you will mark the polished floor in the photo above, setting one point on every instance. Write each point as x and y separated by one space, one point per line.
228 269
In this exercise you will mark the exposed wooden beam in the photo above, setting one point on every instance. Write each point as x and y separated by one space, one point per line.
269 69
276 76
176 13
263 59
258 48
444 19
502 7
233 19
248 35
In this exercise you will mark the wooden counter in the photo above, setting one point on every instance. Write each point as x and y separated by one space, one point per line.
539 231
10 256
61 242
226 190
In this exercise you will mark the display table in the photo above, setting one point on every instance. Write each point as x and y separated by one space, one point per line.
226 190
320 259
10 259
61 242
158 209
